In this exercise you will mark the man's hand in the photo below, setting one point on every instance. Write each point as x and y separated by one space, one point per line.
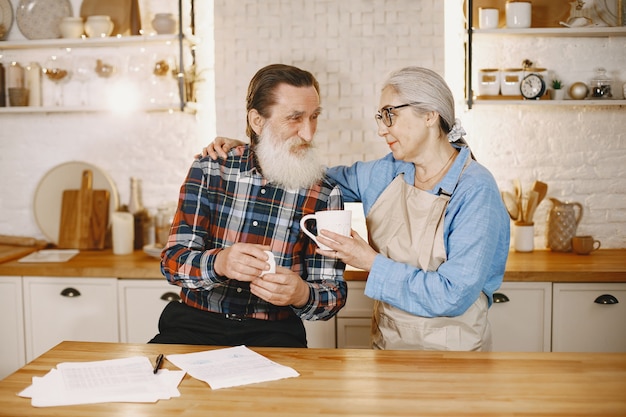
283 288
242 261
220 147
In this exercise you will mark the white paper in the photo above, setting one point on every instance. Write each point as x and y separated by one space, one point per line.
116 380
229 367
50 255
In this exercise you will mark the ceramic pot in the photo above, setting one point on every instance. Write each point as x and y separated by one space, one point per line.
98 26
71 27
164 23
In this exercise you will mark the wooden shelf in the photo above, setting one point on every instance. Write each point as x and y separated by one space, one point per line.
501 102
89 42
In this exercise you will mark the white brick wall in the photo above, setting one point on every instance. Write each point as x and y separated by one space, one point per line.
350 46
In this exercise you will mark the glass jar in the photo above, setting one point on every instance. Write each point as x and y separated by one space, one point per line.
601 85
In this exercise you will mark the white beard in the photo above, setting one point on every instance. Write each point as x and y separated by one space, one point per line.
292 164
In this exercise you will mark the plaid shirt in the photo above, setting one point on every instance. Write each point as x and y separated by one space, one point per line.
227 201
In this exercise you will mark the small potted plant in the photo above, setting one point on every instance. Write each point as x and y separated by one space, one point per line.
557 92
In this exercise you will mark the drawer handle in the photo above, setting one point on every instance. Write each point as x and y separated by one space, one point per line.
606 299
498 297
70 292
170 296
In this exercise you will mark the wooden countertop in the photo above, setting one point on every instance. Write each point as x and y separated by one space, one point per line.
362 382
541 265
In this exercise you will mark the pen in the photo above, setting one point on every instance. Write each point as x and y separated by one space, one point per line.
158 363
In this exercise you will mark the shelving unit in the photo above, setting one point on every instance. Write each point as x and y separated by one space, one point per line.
183 41
582 32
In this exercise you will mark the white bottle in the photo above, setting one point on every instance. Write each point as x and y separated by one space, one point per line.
32 81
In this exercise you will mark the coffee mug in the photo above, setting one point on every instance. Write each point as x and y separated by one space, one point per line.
584 245
337 221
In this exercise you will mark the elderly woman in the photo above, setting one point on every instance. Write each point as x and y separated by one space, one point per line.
438 230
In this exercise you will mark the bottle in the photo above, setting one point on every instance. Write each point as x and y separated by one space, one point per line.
32 81
140 214
3 102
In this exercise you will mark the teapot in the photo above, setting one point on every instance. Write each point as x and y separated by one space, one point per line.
563 220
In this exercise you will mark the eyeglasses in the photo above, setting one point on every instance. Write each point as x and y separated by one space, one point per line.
386 115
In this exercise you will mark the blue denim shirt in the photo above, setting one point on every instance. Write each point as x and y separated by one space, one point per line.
476 237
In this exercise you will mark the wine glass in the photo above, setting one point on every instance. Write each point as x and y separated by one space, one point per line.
57 70
84 67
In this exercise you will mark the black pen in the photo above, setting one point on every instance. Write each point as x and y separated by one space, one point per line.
158 363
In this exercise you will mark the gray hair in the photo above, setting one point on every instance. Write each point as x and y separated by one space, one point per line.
429 89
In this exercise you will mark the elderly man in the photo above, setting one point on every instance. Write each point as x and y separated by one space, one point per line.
233 210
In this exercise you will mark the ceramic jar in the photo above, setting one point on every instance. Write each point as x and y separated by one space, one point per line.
98 26
71 27
164 23
518 14
563 220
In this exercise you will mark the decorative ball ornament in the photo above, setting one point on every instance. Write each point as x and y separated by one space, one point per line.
578 90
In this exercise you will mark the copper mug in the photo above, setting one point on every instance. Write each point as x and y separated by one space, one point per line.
584 245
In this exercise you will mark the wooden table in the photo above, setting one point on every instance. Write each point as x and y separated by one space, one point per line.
352 382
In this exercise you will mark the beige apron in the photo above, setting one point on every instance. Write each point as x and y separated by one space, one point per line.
406 225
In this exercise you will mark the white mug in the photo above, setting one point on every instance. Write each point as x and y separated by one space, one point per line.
488 18
338 221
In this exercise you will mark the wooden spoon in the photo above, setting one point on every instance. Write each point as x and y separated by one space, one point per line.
510 202
542 190
531 205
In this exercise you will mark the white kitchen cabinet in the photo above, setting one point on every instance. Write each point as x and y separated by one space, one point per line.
141 303
589 317
520 317
320 334
354 320
12 354
57 309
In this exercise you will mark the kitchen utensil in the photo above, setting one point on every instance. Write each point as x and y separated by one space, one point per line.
119 11
84 216
517 187
21 241
510 202
10 252
542 190
49 194
531 206
563 220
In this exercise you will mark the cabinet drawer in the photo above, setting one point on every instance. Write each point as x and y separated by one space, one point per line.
521 322
141 304
57 309
582 323
353 333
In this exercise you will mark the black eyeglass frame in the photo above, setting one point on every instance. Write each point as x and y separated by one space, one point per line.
388 115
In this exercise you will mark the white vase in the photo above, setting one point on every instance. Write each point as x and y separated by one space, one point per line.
164 23
98 26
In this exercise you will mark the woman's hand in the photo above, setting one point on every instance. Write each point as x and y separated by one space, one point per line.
220 147
353 251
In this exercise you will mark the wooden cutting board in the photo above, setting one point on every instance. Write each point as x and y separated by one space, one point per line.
84 216
124 14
